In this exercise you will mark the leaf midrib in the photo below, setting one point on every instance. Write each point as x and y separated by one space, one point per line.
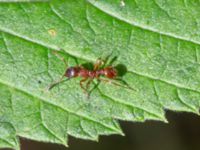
90 59
11 145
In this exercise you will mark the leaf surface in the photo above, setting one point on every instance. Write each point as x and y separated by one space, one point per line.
157 41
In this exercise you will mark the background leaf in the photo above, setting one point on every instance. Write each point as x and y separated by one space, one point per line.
158 42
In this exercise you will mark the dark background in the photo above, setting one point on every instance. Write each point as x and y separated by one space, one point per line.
181 133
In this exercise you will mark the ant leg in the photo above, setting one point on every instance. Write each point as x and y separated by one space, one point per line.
87 86
81 85
88 83
98 64
94 87
108 61
115 83
104 62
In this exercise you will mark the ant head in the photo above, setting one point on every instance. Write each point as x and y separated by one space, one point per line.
71 72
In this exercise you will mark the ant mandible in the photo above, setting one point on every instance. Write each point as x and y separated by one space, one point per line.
89 75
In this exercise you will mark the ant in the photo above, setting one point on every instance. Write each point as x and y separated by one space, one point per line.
98 70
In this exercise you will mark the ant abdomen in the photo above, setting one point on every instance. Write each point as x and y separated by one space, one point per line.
110 72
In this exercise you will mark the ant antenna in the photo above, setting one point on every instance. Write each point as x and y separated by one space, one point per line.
57 82
60 57
61 79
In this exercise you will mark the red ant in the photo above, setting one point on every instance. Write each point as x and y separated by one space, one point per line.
109 72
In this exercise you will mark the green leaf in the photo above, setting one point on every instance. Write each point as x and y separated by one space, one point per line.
157 41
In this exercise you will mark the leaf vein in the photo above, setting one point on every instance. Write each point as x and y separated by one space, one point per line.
164 81
46 127
128 104
55 105
142 26
184 103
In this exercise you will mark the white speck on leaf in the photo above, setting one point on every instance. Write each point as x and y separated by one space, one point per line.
122 3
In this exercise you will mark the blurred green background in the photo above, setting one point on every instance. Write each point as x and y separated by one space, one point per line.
181 133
